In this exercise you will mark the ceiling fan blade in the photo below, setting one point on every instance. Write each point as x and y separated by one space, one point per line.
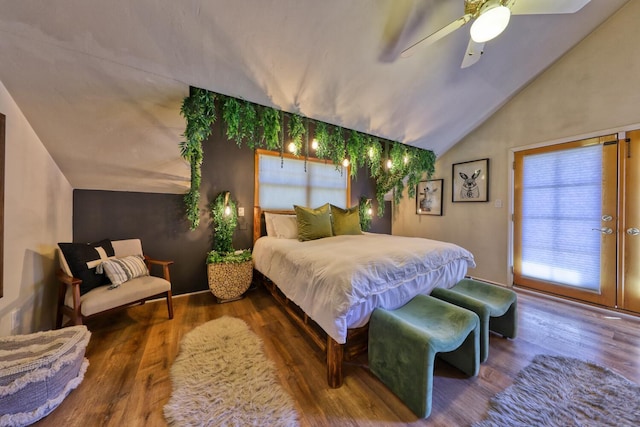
434 37
544 7
403 23
473 53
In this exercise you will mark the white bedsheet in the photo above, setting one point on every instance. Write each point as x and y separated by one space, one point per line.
338 281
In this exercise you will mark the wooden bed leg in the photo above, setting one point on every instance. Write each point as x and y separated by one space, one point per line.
334 363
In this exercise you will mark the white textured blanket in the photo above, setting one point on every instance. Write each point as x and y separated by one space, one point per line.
338 281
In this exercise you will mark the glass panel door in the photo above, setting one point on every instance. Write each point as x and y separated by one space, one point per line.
630 222
565 221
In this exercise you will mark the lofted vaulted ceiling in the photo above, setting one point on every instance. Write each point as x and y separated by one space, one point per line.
101 82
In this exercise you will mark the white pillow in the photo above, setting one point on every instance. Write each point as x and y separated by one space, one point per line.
268 222
285 226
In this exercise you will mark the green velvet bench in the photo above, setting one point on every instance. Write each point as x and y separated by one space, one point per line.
495 305
403 344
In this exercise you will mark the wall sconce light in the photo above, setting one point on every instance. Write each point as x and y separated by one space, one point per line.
389 164
227 208
314 144
345 162
292 147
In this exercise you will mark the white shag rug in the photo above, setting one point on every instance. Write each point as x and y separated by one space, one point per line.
222 377
564 392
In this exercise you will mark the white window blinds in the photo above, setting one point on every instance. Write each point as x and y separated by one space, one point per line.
282 186
561 205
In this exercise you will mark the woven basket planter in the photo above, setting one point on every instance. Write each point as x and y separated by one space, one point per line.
228 282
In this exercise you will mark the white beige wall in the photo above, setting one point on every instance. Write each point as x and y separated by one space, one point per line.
37 214
592 89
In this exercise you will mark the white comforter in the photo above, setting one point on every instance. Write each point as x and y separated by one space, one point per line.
338 281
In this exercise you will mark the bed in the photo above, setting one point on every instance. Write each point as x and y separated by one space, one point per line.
331 286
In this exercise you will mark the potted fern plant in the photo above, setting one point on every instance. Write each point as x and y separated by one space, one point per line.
230 272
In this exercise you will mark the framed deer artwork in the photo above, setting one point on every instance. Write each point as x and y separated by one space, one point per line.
429 197
470 181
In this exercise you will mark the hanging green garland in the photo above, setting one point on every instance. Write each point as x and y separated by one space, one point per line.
356 151
270 123
336 152
259 126
374 156
199 111
231 116
296 132
322 136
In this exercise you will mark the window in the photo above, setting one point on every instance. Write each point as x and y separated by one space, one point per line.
283 182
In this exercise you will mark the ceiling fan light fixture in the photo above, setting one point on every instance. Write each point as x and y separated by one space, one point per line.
490 24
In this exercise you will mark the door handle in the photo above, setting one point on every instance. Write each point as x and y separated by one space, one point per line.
633 231
607 230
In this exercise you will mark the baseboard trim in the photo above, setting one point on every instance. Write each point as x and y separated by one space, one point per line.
605 311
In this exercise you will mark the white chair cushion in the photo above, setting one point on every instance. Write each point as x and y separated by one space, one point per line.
127 247
102 298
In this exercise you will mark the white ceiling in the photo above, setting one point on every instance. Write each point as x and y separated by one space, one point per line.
101 82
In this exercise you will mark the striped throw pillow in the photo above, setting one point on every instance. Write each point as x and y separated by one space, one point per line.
119 270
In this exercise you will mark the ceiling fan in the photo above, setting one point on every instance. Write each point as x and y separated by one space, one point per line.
490 18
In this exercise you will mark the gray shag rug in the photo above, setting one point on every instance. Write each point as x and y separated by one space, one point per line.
222 377
562 391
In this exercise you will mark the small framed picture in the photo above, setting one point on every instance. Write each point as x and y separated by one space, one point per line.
429 197
470 181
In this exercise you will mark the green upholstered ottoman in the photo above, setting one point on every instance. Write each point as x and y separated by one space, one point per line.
403 344
495 305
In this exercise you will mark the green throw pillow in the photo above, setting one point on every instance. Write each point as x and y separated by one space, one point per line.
345 221
313 223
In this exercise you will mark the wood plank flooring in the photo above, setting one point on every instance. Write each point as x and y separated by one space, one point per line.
131 352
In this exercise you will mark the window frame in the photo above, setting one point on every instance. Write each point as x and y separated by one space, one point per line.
606 295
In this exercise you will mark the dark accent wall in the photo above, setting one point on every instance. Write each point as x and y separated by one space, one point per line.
156 219
159 219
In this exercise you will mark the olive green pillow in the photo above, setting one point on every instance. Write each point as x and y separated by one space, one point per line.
313 223
345 221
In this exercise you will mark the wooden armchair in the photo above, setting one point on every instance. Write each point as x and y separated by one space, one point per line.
107 298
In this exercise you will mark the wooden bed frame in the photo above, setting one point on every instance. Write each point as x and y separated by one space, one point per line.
357 339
